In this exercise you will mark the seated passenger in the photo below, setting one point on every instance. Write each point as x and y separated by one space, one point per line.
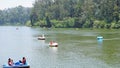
24 60
10 62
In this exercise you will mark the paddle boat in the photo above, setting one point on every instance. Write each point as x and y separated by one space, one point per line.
17 65
99 38
42 37
53 44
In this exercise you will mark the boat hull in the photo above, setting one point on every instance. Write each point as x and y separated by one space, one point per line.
41 38
53 45
17 66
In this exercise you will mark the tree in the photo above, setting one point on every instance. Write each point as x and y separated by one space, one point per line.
33 18
18 15
48 22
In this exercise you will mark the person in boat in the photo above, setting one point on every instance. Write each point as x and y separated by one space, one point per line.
10 62
51 42
24 60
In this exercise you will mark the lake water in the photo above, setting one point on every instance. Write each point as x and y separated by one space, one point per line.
78 48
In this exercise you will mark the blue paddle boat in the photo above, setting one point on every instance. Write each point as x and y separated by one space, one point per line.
99 38
17 65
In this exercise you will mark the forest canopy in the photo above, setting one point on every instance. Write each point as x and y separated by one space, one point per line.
15 16
76 13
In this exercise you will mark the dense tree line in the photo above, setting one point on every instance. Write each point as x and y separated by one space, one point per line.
76 13
15 16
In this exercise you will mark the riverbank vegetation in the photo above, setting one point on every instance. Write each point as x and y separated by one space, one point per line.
76 13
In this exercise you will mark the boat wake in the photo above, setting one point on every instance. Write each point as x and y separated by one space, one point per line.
113 39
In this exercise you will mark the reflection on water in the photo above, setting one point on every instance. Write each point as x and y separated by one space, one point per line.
53 49
100 42
42 42
113 39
